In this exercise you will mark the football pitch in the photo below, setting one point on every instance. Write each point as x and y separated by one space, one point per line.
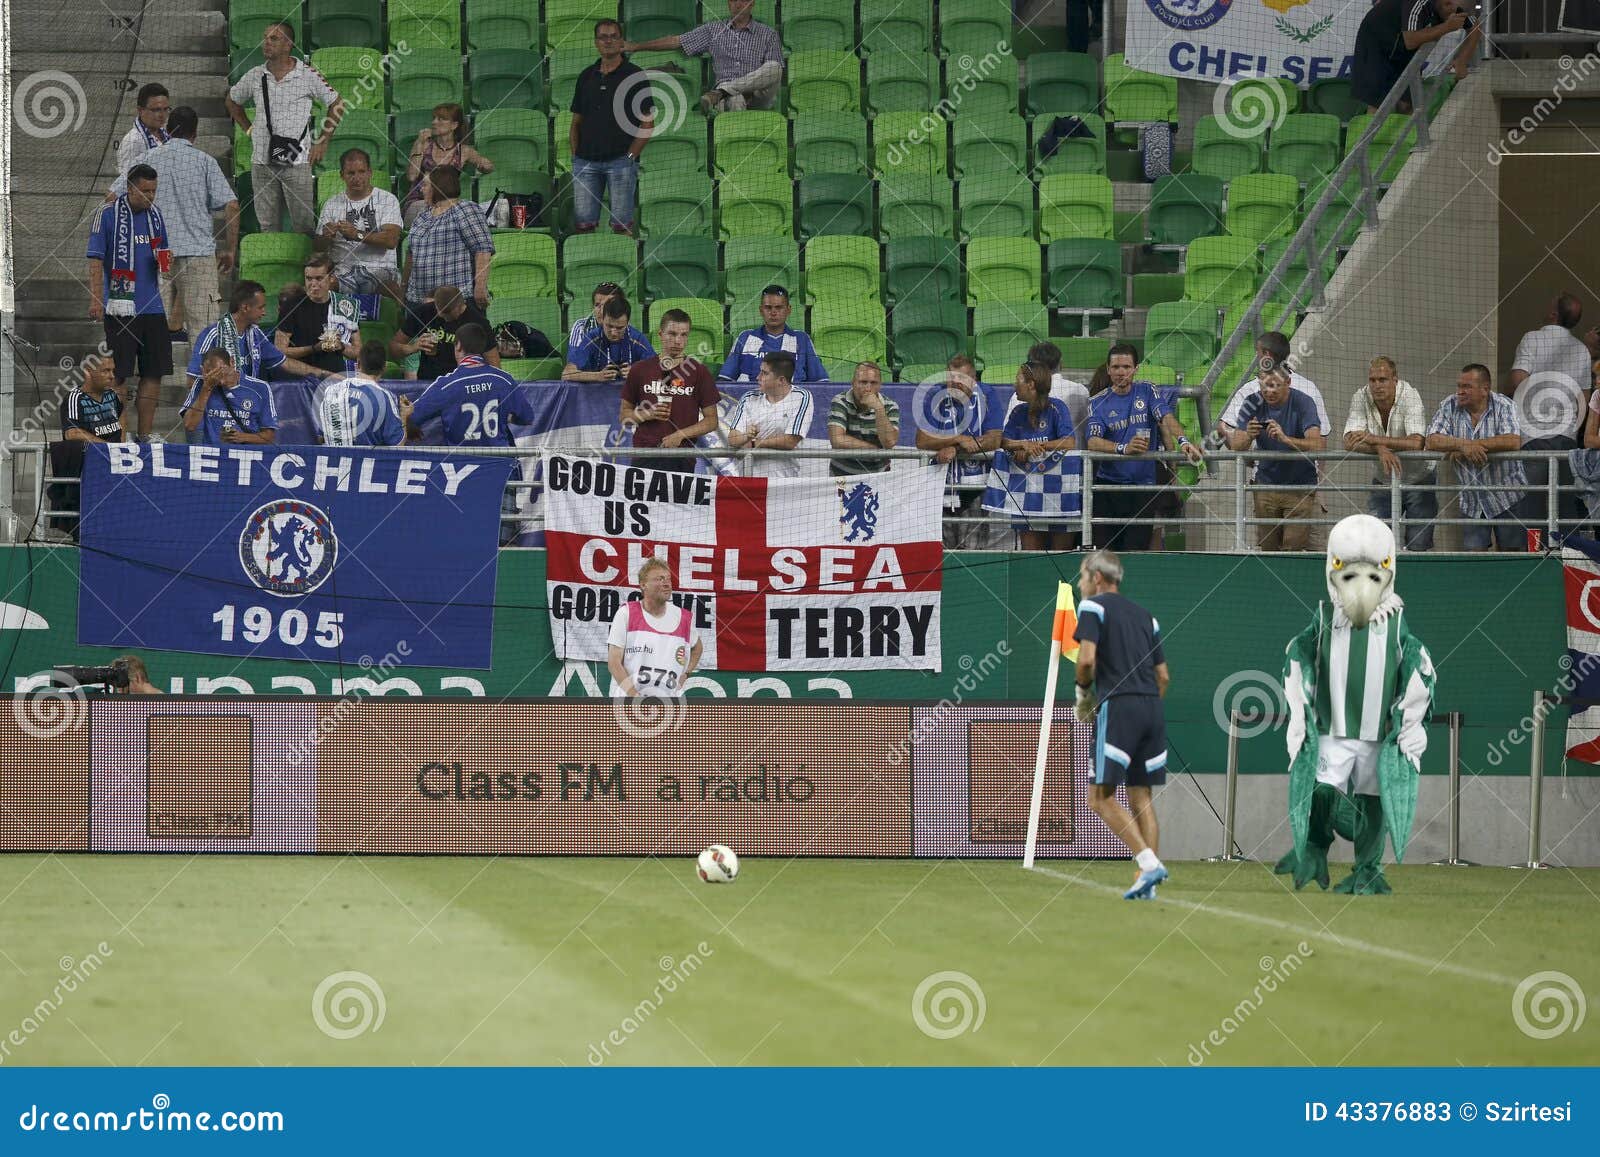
426 961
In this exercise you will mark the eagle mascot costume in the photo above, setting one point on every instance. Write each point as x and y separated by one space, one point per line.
1359 686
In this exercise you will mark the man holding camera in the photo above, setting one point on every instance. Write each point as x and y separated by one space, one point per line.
1281 418
1390 34
609 353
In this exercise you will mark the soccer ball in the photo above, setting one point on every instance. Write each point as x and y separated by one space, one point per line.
718 865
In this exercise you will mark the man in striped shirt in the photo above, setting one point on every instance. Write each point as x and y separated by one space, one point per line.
1467 428
746 57
774 417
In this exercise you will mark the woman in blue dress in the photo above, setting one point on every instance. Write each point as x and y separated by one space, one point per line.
1037 429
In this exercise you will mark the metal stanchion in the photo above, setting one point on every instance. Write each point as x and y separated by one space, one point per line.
1228 856
1535 785
1453 856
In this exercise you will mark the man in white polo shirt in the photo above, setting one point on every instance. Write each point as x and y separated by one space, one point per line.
1547 382
283 90
653 646
774 417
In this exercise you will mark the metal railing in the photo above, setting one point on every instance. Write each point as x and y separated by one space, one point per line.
1235 493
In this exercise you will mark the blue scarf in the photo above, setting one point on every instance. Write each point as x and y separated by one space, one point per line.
151 140
124 278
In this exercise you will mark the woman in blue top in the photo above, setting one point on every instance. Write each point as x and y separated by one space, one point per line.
1035 431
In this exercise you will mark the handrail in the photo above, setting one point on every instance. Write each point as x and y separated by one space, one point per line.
1304 239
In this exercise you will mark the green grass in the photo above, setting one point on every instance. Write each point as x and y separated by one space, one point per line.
215 960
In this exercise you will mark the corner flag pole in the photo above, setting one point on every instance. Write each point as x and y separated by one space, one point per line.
1061 632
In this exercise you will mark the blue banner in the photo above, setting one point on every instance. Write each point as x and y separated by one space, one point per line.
315 553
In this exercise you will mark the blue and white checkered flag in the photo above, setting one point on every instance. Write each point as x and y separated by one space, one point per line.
1045 489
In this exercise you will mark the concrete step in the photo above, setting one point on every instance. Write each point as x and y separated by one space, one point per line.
175 29
68 177
141 62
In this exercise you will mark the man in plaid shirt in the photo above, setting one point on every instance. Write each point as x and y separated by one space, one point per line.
746 57
1467 428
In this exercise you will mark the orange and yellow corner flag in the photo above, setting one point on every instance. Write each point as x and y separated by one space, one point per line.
1066 624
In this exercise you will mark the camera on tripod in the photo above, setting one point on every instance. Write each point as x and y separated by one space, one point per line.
112 677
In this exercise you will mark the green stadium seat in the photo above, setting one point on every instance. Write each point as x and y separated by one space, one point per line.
849 331
999 373
507 78
750 264
524 265
542 313
1133 96
1333 96
514 138
356 23
426 25
835 203
1063 82
534 369
361 128
922 372
356 74
1393 129
902 82
1074 205
561 138
569 24
1003 269
989 143
587 259
273 259
248 19
909 142
984 89
243 153
502 24
922 269
408 123
824 81
681 267
915 205
1083 352
1220 153
755 204
427 77
1332 230
1002 331
1184 206
1305 145
1260 100
897 28
649 19
708 333
975 26
1158 375
928 330
1180 333
330 182
681 145
829 142
1262 206
1084 273
996 205
1152 288
1075 154
820 25
753 140
1296 276
565 66
675 202
676 93
1221 270
841 267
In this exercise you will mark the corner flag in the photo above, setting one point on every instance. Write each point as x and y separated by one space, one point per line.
1066 624
1061 632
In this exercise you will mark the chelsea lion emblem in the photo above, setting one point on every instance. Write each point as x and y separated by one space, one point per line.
859 512
1189 15
288 548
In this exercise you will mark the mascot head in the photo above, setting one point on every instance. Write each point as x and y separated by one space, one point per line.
1361 562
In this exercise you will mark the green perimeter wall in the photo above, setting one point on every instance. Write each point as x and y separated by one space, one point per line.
1494 625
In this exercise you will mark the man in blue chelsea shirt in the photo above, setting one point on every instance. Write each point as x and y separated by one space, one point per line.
608 353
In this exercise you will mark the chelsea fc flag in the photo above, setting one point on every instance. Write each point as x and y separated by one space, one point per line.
321 553
1227 40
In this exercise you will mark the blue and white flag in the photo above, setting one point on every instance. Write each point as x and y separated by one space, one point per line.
1046 489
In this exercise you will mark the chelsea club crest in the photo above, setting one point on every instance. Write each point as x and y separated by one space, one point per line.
288 548
1189 15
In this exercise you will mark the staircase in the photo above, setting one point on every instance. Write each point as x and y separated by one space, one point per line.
59 180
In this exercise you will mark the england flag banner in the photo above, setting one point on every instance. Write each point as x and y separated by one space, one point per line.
332 554
1223 40
1581 677
781 574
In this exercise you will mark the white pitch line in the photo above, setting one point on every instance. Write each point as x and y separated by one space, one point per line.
1349 942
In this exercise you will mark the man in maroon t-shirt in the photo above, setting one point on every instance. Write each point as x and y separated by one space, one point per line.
670 399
